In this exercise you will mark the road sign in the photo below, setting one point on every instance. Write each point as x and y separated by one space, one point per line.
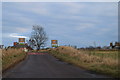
21 39
54 43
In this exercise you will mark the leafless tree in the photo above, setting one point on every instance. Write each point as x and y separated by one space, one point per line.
38 37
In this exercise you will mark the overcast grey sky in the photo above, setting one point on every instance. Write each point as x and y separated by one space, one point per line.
75 23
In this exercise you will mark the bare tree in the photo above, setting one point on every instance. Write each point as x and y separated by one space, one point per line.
38 37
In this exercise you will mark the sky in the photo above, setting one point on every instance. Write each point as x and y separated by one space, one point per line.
75 23
60 0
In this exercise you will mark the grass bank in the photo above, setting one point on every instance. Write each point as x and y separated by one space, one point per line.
105 62
10 57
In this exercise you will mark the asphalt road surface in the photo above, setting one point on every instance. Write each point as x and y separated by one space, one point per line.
43 65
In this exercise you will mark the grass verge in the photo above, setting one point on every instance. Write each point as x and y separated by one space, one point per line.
11 57
104 65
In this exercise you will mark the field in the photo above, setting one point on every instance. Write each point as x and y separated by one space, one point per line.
101 61
11 56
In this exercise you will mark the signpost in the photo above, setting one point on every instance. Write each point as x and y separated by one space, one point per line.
54 43
21 40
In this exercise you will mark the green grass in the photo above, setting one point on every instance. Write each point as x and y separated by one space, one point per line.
105 54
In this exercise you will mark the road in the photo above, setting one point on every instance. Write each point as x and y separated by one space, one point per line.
43 65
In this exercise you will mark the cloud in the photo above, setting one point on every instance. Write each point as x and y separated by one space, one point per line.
34 8
22 30
61 1
73 22
73 8
84 26
17 36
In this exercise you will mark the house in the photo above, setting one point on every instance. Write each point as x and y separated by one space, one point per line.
1 46
116 45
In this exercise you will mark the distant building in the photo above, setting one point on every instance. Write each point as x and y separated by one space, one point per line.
15 43
116 45
1 46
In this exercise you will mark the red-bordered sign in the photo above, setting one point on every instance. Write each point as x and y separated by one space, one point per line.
21 39
54 42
